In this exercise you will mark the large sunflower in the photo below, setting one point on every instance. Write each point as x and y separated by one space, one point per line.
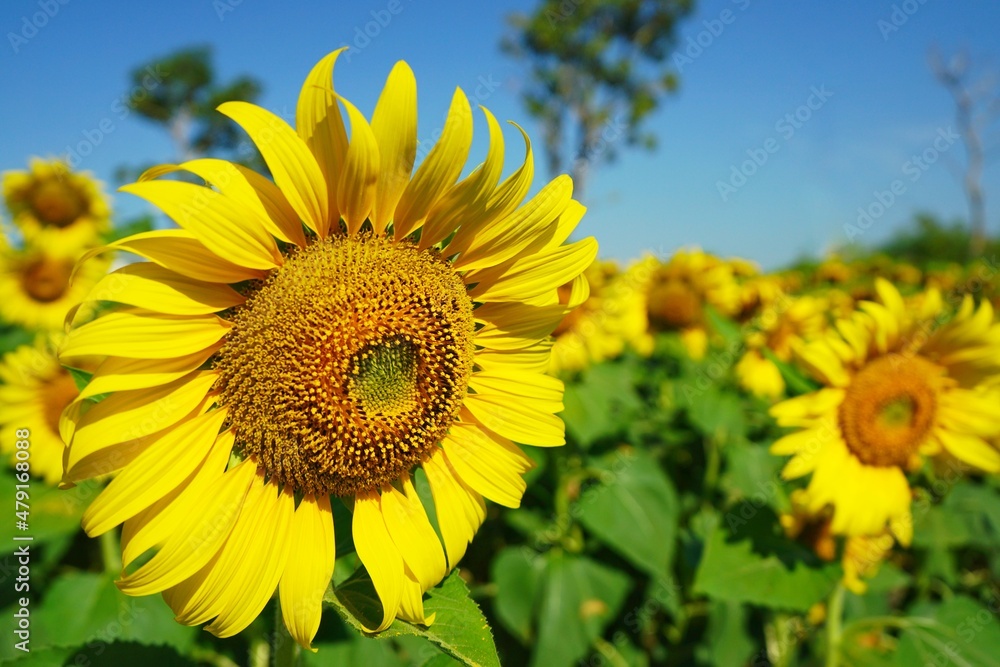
896 389
39 287
35 390
323 336
54 206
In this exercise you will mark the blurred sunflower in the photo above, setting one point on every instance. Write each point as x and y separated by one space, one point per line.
35 390
39 285
600 327
56 207
275 365
678 291
896 390
786 322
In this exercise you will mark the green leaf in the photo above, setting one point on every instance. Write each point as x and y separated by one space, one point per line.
518 574
957 632
459 627
634 510
969 515
580 598
726 328
796 381
737 571
752 477
717 414
727 641
601 404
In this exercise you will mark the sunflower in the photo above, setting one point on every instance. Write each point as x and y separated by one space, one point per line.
783 324
39 285
602 325
34 391
678 291
56 207
896 389
323 337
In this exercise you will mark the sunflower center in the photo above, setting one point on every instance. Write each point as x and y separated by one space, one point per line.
45 280
889 409
673 305
348 364
60 390
56 203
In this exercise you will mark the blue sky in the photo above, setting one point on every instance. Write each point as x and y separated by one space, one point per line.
874 103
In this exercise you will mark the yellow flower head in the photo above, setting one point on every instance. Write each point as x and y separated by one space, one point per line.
34 391
39 286
678 291
55 207
897 388
323 336
785 323
605 322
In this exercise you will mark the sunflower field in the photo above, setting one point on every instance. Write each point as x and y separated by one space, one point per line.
350 407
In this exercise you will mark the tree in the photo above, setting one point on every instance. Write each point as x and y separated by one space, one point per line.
597 70
977 107
180 93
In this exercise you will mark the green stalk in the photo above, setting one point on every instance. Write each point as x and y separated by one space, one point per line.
285 650
834 625
111 553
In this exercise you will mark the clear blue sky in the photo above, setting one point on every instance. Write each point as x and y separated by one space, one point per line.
67 77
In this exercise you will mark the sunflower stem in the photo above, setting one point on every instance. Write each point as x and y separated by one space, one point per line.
834 625
111 553
285 650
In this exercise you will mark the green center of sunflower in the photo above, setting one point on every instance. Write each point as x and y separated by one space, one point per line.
673 305
889 409
348 364
56 203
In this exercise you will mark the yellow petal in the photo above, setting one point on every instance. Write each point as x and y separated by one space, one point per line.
971 449
460 510
491 465
411 604
394 125
121 374
466 202
521 423
319 123
542 392
407 523
512 325
262 197
360 175
139 334
129 415
146 284
497 242
290 161
308 570
379 555
533 275
225 225
171 515
438 171
251 574
194 537
162 467
179 250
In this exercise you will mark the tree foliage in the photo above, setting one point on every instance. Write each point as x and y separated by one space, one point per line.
597 70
